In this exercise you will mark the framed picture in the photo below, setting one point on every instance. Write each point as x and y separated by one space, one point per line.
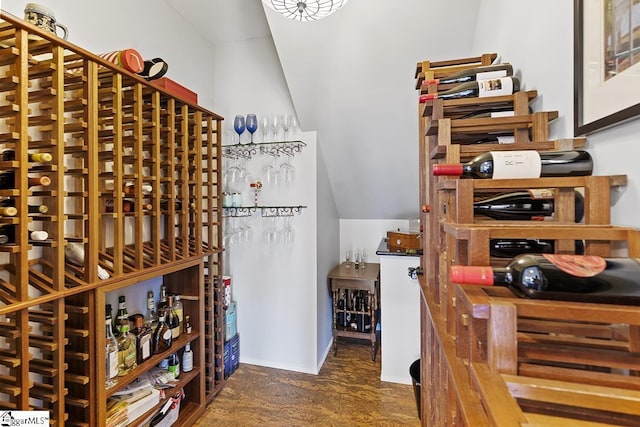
606 63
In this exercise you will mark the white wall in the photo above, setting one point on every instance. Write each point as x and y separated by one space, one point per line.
366 234
149 26
275 287
537 37
328 232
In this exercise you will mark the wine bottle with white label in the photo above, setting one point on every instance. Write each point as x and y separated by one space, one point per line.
485 72
477 89
521 164
584 278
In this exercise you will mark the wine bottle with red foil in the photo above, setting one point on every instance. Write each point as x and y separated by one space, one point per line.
477 89
485 72
521 164
510 248
584 278
534 204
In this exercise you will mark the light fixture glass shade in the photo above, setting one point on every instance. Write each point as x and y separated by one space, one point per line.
305 10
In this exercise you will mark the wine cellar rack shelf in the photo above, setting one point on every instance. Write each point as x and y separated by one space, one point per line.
489 357
133 187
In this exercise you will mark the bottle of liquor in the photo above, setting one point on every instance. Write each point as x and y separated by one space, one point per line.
10 155
584 278
111 351
174 365
187 358
172 319
151 318
187 325
521 164
11 203
164 301
144 338
341 316
162 335
477 89
535 204
115 328
122 317
8 234
74 254
178 307
126 350
510 248
485 72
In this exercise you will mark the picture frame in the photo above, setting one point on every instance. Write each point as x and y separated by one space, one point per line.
606 64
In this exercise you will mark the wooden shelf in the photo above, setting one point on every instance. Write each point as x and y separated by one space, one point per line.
114 125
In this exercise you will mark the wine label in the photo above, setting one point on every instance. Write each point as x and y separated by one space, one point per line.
541 193
497 114
491 75
516 164
112 364
578 265
495 87
506 139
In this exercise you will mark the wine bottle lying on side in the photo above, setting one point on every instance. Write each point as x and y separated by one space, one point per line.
584 278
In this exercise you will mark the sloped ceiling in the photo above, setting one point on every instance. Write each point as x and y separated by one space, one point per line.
351 78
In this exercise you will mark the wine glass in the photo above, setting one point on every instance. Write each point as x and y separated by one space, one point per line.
264 125
287 172
288 233
271 172
275 125
286 124
295 127
239 126
252 124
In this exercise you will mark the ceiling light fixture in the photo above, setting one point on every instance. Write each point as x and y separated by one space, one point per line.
305 10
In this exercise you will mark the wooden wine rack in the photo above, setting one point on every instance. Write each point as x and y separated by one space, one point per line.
135 181
490 358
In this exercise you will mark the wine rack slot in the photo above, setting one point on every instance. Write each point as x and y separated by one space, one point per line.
124 180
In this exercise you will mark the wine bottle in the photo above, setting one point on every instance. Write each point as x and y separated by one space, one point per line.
130 189
162 335
510 248
127 206
584 278
485 72
11 203
8 180
521 164
111 352
8 211
477 89
178 307
74 253
8 234
535 204
10 155
174 365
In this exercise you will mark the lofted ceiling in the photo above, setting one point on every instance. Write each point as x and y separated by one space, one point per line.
350 77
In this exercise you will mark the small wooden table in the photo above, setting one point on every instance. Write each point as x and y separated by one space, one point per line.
361 290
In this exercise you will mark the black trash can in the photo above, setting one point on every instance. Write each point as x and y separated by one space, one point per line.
414 371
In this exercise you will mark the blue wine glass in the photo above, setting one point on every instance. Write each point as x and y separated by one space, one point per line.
239 126
252 124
